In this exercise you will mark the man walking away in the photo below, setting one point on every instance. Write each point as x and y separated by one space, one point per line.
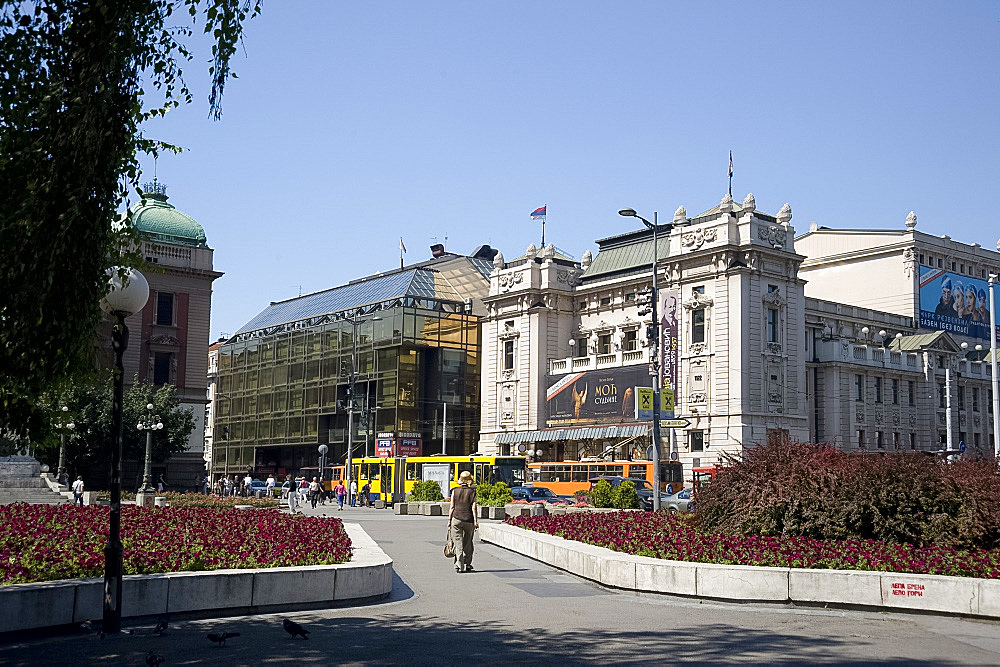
78 491
366 498
293 496
354 492
464 520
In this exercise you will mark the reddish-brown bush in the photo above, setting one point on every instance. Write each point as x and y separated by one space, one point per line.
818 491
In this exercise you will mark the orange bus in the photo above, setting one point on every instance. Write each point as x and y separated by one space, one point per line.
567 477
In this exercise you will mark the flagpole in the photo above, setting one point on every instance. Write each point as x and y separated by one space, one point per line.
543 226
730 173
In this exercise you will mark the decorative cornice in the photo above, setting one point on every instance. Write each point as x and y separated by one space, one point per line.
698 300
697 238
774 298
164 339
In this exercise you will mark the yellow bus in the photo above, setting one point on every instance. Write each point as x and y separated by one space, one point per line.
391 479
567 477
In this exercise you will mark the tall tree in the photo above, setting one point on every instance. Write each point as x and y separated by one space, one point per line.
88 447
78 80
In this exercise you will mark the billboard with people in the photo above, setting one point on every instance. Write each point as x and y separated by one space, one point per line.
595 396
953 302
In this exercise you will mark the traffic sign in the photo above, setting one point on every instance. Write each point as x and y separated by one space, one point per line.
675 423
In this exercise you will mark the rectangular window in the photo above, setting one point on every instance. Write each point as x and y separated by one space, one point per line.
961 398
161 367
961 437
913 441
164 308
604 344
860 437
912 387
697 440
941 396
895 391
630 340
630 297
605 300
922 258
859 387
975 399
878 390
896 442
698 325
508 355
700 289
582 305
772 325
879 442
940 263
975 440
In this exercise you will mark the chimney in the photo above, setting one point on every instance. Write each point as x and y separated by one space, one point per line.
437 250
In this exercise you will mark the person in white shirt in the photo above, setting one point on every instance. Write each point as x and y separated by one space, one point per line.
248 485
269 485
78 491
354 492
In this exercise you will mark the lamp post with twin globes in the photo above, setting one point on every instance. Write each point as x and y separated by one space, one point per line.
63 428
128 293
149 423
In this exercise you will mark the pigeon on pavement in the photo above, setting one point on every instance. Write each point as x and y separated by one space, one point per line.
161 627
294 629
220 638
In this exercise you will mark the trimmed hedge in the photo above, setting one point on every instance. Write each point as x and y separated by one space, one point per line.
428 491
818 491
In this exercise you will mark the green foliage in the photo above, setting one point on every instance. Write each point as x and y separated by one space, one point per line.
794 489
88 446
624 496
581 496
602 495
501 495
484 493
428 490
81 77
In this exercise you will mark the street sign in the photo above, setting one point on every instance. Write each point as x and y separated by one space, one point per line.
644 403
675 423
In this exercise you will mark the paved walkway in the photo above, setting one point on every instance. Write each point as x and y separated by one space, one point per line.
514 610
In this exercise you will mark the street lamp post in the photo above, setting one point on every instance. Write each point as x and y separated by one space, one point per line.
994 380
127 295
630 213
149 423
63 427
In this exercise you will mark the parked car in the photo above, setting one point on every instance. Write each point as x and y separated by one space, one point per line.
536 493
679 502
643 489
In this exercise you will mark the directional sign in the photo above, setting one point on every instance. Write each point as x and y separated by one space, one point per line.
675 423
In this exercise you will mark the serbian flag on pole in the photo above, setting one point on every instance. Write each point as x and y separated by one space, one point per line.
730 164
401 246
538 213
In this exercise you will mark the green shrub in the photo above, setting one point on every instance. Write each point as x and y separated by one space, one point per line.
501 495
427 491
602 495
624 496
484 494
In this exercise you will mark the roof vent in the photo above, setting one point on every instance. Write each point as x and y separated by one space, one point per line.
437 250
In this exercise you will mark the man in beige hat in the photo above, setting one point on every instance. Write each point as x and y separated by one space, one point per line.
464 520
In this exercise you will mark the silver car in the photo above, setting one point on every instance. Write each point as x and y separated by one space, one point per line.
678 502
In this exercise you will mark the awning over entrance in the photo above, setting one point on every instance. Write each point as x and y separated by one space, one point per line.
592 433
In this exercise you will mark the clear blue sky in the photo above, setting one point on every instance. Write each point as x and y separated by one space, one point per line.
354 124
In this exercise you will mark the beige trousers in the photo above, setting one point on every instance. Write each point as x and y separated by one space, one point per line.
463 533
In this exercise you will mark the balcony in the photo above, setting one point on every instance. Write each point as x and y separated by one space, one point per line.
597 361
834 351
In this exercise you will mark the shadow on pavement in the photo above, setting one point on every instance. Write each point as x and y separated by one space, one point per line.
416 640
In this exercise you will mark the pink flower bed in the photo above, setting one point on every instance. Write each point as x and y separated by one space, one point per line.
675 538
45 543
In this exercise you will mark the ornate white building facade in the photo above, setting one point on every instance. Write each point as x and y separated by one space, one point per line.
564 345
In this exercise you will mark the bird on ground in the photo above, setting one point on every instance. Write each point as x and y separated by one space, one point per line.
161 627
294 629
154 660
221 637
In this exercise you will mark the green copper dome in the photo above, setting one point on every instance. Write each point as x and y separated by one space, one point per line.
160 221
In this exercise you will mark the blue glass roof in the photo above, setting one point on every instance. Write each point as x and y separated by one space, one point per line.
415 282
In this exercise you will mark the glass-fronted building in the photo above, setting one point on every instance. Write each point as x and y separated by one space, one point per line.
411 338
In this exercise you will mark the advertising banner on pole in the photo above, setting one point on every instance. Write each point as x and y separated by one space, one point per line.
669 299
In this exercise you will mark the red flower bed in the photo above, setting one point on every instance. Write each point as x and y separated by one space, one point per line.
676 538
45 543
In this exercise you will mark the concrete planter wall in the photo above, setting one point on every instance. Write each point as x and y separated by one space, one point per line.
885 590
222 592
